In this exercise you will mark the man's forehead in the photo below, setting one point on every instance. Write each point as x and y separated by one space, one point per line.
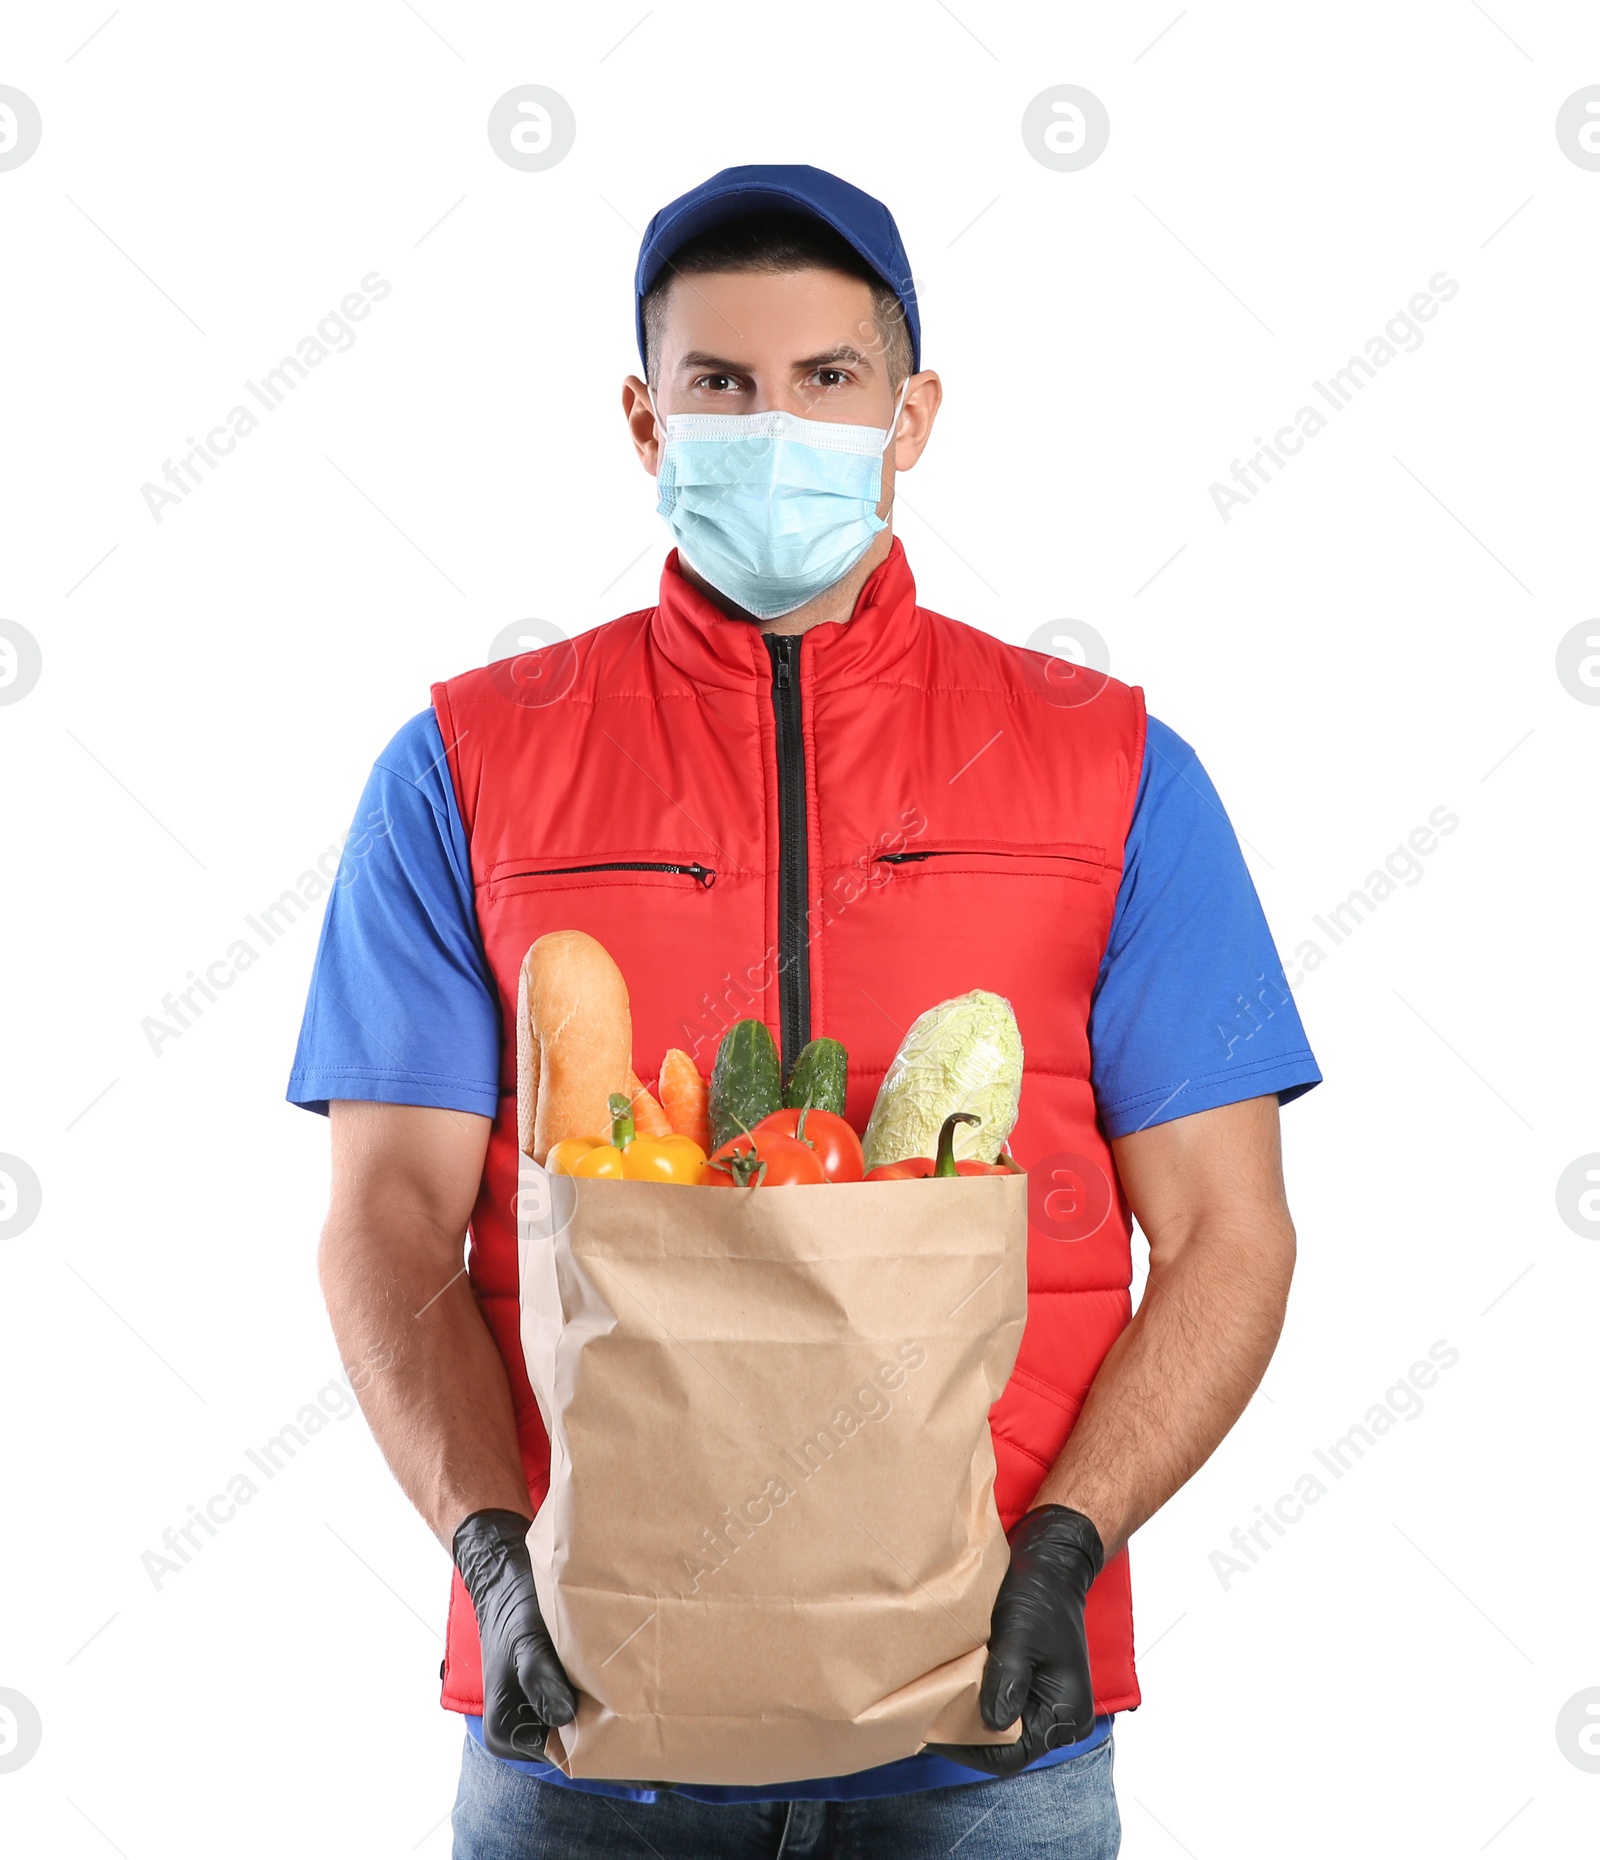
814 307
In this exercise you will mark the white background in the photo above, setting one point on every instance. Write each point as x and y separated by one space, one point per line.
1373 637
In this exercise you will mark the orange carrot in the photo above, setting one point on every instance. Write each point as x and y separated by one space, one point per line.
686 1097
649 1120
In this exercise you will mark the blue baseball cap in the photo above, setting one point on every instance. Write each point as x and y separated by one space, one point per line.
863 223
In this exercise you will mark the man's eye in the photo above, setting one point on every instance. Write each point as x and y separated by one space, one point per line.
831 377
719 384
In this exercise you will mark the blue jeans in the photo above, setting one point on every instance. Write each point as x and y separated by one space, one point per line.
1064 1812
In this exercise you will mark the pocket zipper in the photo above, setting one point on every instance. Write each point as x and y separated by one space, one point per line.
702 875
976 852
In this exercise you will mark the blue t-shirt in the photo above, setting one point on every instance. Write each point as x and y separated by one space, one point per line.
1190 1011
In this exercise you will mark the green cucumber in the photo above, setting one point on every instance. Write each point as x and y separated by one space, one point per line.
745 1081
820 1078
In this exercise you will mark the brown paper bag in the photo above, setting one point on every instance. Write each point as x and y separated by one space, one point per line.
770 1546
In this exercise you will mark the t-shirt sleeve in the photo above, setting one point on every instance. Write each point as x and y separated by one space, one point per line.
401 1009
1191 1009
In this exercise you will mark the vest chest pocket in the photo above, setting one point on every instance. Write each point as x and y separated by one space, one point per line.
513 877
907 929
672 921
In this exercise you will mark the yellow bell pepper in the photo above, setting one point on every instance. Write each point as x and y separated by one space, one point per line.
628 1157
563 1157
664 1159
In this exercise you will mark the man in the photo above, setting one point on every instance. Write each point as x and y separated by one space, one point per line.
788 791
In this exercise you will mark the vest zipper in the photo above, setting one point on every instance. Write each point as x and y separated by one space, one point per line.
794 960
702 875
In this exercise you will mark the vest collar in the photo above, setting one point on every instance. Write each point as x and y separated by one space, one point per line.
712 648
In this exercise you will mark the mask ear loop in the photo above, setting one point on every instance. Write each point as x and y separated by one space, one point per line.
894 424
894 418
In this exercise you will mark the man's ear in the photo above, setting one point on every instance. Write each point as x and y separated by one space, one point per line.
923 395
642 428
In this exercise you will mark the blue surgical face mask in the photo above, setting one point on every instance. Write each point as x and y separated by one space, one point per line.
769 508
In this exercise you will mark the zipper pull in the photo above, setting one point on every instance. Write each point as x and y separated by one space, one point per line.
782 665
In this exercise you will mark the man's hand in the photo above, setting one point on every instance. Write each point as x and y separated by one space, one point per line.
525 1691
1038 1653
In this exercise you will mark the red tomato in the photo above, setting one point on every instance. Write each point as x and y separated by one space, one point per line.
831 1137
767 1156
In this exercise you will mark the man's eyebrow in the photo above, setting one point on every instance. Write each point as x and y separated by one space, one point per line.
698 358
841 352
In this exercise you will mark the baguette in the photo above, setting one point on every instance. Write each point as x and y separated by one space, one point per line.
574 1040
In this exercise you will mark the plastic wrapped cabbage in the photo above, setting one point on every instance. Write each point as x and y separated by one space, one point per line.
963 1055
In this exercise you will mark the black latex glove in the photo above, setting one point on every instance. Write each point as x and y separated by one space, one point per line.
1038 1652
525 1691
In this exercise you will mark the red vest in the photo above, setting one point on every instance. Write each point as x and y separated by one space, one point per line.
898 809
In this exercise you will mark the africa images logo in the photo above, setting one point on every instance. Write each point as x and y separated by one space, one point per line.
1401 335
333 335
